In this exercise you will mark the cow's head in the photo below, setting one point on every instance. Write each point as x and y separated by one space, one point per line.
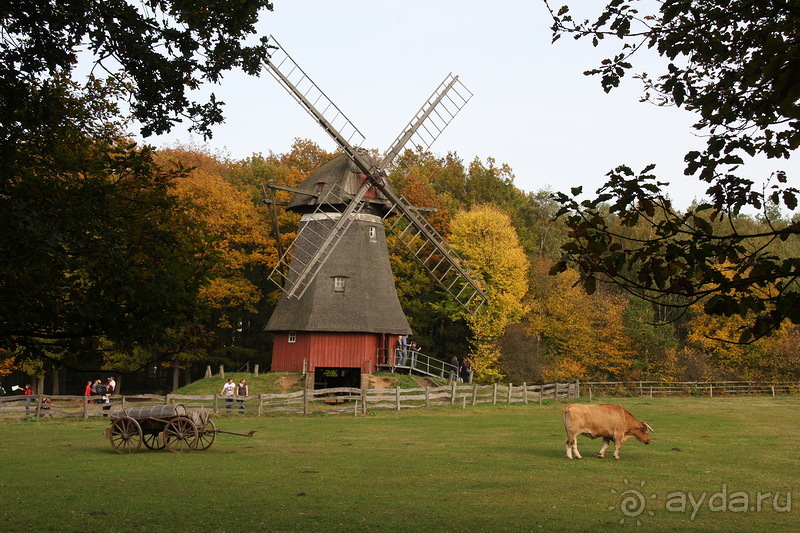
641 432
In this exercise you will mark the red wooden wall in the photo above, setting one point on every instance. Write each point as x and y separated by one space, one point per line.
326 349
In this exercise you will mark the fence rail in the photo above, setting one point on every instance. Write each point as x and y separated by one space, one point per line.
337 400
689 388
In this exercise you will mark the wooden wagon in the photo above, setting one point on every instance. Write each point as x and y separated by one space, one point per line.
162 426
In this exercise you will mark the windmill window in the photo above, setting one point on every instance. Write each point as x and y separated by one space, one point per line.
292 336
338 283
373 234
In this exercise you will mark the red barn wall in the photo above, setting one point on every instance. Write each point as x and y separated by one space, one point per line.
326 349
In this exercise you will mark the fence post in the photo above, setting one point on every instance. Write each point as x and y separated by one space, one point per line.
216 404
397 396
427 396
208 371
260 404
222 371
711 391
305 400
85 407
525 392
453 394
474 393
494 393
255 371
555 392
510 386
364 401
590 395
541 391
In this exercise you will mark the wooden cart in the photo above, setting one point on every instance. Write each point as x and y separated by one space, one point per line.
162 426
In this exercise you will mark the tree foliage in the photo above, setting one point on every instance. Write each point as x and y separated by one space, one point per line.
163 48
94 245
732 64
490 245
96 252
237 231
585 335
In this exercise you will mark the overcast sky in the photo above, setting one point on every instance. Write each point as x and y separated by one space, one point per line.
532 108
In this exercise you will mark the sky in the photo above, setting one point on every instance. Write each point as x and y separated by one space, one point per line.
532 107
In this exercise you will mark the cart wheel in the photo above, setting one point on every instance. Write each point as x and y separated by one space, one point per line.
153 442
207 436
125 435
180 435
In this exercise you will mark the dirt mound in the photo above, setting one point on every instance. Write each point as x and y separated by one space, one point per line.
380 382
286 383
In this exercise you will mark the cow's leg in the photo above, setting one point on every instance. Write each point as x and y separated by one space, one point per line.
602 452
572 447
617 444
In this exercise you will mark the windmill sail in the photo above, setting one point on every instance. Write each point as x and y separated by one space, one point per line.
295 273
436 256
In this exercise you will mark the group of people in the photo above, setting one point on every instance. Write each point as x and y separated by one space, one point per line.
461 371
406 352
231 389
99 391
406 355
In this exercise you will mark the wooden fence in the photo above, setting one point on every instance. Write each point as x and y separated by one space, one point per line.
338 400
688 388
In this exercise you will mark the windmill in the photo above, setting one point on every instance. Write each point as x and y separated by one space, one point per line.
339 314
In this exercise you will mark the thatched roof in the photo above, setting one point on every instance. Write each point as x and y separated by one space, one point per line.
369 301
342 178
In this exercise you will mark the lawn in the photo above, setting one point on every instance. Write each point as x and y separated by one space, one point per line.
722 464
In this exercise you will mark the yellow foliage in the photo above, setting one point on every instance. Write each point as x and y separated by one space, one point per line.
717 337
7 364
489 243
239 233
566 369
582 328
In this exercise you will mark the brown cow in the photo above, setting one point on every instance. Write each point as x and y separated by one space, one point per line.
610 421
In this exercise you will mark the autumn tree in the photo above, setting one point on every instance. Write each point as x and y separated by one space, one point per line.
489 243
237 234
585 335
732 64
94 245
95 249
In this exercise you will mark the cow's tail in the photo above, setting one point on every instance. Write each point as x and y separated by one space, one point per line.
565 417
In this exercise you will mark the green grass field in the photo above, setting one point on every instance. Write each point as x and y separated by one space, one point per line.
727 464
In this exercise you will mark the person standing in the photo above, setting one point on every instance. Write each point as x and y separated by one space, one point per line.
228 390
87 391
98 389
27 392
454 369
466 370
242 390
414 348
400 358
111 387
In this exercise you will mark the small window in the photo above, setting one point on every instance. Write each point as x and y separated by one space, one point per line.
373 234
338 283
292 336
